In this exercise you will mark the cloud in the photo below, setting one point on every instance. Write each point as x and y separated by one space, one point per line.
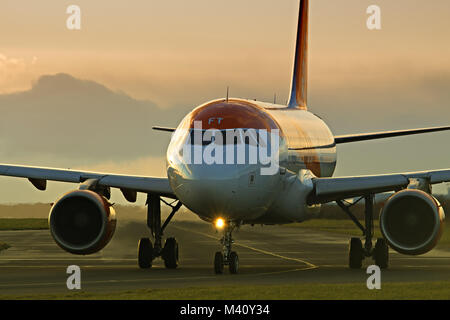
64 120
15 74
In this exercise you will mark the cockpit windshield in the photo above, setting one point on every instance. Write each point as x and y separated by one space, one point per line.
224 137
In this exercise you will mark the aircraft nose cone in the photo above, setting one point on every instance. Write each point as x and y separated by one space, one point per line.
231 192
209 190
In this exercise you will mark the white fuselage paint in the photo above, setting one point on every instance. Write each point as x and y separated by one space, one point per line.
238 192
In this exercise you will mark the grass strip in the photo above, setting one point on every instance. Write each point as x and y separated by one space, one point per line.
23 224
308 291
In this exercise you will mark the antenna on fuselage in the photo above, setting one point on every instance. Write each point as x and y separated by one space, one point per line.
275 98
228 90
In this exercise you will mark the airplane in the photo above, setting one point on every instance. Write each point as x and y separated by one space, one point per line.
232 194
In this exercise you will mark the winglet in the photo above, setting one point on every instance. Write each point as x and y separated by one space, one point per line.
299 82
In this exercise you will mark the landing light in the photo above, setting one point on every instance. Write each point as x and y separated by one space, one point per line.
220 223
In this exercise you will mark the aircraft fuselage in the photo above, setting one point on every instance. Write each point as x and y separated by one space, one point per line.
240 190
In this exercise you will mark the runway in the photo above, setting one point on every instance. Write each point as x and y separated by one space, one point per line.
269 255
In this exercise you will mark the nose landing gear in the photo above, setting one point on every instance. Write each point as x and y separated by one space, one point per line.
226 257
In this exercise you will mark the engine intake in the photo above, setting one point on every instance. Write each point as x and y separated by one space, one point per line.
412 221
82 222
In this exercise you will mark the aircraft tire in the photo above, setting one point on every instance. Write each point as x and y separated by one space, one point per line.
234 263
170 253
381 253
356 253
218 263
145 253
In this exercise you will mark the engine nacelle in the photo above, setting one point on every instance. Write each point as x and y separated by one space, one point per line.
82 222
412 221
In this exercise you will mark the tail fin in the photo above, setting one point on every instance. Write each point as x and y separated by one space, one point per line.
299 83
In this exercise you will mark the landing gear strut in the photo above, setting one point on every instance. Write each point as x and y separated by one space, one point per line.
226 257
358 252
147 252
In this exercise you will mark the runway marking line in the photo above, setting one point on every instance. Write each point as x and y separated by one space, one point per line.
215 277
310 265
103 281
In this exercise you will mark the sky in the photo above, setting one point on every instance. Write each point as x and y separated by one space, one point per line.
87 98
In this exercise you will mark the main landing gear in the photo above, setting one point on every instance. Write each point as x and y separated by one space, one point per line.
147 252
226 257
358 252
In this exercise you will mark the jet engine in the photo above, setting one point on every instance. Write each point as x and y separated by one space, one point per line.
82 222
412 221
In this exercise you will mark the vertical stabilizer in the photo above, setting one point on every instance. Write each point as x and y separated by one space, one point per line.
299 82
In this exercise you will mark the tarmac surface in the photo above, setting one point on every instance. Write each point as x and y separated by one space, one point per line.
268 255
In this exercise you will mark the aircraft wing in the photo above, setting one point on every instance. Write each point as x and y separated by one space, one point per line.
332 189
385 134
38 176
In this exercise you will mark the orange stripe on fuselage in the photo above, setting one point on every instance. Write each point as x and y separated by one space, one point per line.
244 114
232 114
